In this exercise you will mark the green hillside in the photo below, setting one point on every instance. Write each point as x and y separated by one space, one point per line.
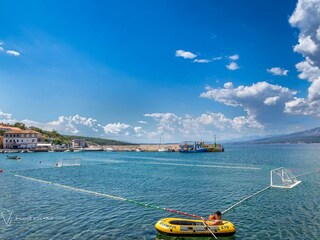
58 138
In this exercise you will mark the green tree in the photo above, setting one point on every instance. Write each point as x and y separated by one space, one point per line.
20 125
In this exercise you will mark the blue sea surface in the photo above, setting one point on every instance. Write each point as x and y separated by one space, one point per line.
195 183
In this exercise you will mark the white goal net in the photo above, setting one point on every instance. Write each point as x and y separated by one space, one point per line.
283 178
69 162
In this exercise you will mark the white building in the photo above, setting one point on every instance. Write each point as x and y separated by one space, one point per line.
20 139
76 143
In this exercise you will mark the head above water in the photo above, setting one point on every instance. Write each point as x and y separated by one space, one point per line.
218 215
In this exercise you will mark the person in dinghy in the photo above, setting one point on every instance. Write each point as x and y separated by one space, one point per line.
214 219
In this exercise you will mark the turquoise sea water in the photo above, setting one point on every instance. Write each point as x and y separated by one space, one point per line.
194 183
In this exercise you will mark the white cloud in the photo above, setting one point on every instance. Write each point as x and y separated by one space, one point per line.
228 85
306 46
216 58
278 71
13 53
73 124
232 66
201 60
306 17
271 100
234 57
301 106
116 128
207 124
85 126
185 54
262 101
5 116
1 49
142 122
308 70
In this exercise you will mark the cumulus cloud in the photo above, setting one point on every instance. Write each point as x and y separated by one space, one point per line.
4 117
142 122
306 17
271 100
71 124
85 126
116 128
228 85
13 53
234 57
232 66
185 54
308 70
306 46
261 101
278 71
207 124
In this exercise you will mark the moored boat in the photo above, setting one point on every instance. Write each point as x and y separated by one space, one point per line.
196 147
164 149
79 150
192 147
190 227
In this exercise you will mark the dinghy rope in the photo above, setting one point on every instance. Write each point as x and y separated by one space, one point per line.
147 205
288 179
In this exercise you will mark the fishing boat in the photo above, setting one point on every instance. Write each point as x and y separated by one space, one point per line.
190 227
13 157
192 147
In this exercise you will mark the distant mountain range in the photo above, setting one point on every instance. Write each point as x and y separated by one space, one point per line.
308 136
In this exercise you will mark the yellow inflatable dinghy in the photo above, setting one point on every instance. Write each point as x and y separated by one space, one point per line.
190 227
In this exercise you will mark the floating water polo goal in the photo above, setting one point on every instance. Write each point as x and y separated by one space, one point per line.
283 178
69 162
279 178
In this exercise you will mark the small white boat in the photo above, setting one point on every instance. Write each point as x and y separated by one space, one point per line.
163 149
68 150
79 150
109 150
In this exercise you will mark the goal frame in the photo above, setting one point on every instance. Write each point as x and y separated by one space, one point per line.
284 173
78 163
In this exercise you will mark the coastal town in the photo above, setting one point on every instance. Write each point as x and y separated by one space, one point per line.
15 139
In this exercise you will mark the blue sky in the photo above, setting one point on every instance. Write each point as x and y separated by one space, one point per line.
132 70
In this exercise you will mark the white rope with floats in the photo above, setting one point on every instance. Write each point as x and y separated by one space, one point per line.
285 177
